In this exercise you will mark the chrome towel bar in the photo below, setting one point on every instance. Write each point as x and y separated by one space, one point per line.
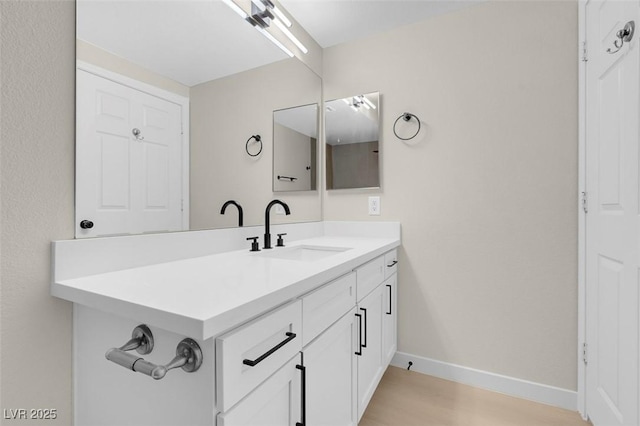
188 355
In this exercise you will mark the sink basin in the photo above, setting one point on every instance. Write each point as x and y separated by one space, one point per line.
303 253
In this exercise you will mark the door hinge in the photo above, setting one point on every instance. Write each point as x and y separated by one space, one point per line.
584 353
584 201
584 52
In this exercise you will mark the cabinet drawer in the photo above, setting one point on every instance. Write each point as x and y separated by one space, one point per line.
267 343
390 263
326 305
369 276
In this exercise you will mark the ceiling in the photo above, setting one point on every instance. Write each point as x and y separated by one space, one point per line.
194 41
332 22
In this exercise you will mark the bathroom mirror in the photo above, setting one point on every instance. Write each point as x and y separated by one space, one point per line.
352 142
227 80
295 146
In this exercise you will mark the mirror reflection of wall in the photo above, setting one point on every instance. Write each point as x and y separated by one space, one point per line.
232 78
352 139
295 141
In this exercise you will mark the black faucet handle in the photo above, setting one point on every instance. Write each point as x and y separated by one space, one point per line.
254 244
280 242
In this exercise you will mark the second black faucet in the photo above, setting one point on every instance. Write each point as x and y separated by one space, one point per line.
267 233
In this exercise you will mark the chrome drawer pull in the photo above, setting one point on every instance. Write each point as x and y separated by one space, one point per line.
254 362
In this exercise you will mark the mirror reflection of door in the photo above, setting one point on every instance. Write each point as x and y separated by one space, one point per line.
352 136
129 150
295 141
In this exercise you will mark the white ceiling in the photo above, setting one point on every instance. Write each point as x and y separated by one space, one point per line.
188 41
194 41
332 22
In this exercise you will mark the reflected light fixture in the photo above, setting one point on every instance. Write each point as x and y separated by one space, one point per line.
358 101
262 13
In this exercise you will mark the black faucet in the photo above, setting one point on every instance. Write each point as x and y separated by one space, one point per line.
267 235
224 207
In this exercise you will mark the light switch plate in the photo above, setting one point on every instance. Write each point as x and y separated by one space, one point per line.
374 206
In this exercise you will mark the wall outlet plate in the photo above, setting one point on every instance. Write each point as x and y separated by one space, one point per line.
374 206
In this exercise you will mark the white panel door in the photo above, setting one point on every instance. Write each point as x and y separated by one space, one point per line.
126 183
612 220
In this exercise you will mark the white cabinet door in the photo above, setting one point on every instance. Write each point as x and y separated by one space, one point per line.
330 367
276 402
129 169
370 354
390 319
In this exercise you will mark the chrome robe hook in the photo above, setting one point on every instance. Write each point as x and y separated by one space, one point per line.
625 34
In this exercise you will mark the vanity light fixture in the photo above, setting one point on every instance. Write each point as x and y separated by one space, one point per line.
359 101
237 9
262 13
289 34
281 16
368 102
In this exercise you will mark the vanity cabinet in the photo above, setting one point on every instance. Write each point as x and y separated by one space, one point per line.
314 360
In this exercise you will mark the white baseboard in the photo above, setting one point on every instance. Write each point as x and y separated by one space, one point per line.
538 392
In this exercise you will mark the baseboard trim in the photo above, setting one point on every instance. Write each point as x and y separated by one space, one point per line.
512 386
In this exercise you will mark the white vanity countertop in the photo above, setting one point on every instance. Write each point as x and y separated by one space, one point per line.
204 296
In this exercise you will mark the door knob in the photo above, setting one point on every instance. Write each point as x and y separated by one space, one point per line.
86 224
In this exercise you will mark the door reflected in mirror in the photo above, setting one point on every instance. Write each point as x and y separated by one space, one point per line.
223 78
352 142
295 141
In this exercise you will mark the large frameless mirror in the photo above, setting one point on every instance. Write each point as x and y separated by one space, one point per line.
352 142
168 93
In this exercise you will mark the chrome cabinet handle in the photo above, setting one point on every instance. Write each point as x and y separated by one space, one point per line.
188 357
254 362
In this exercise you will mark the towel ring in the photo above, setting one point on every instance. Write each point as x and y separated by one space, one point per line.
258 140
406 116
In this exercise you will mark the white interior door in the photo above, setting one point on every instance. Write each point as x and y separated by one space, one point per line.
612 220
129 168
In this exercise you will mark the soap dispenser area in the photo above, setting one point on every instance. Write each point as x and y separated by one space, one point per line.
231 337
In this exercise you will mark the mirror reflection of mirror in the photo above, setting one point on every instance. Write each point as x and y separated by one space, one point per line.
352 142
220 79
295 141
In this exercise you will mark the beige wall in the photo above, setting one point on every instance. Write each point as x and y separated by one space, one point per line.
37 125
92 54
487 193
224 114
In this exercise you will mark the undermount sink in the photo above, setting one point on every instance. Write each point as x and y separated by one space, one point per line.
303 253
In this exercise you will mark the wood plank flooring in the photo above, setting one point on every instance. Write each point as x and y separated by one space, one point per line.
408 398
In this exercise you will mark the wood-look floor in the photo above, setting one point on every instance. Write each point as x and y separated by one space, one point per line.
408 398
